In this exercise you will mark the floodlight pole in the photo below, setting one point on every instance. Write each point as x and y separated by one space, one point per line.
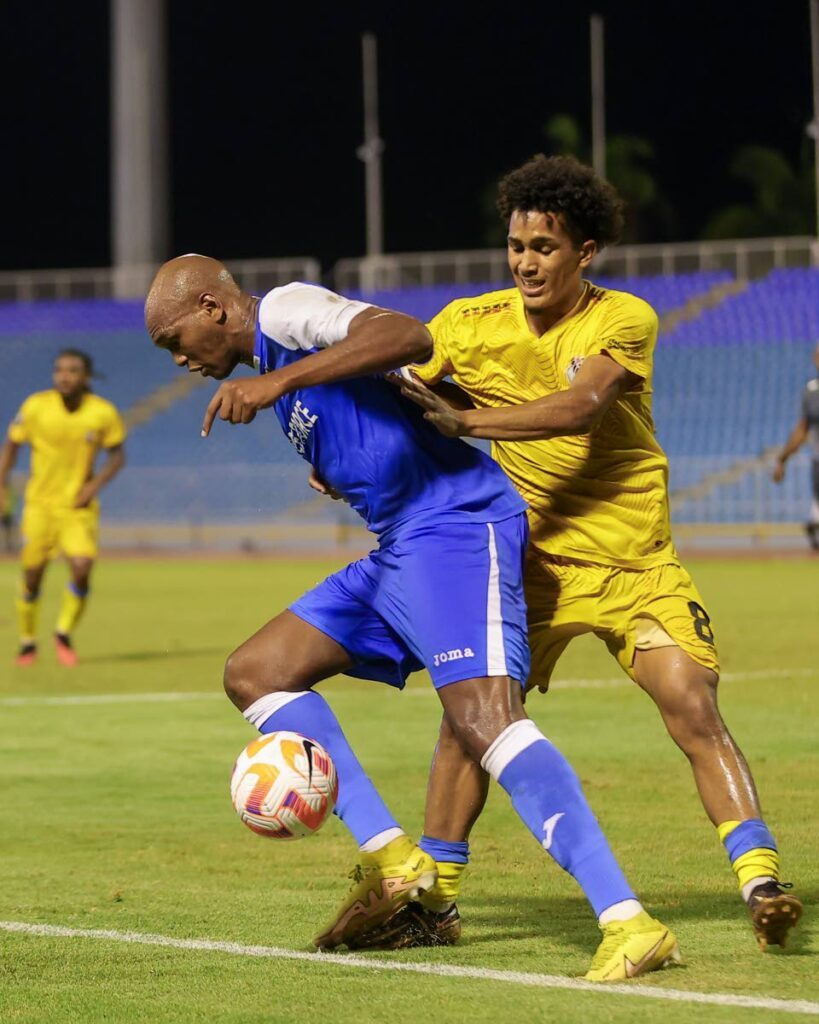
813 127
139 171
370 152
598 94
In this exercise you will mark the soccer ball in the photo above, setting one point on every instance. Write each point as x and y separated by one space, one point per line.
284 785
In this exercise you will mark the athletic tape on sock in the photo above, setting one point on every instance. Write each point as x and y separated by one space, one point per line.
260 710
514 739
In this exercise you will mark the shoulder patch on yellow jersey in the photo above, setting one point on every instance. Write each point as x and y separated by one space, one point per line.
573 367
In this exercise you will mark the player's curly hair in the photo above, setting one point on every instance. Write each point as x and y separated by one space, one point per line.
590 206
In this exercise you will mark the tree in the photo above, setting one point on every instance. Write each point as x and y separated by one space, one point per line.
628 167
781 196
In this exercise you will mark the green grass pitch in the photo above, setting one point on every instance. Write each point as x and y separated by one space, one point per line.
117 816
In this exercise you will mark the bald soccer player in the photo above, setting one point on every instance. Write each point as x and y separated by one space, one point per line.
443 589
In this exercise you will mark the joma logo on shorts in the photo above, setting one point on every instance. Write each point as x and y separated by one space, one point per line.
454 655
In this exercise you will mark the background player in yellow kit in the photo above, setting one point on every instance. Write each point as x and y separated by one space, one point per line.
65 427
559 373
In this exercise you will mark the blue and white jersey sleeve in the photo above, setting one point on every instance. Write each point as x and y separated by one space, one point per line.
307 316
363 437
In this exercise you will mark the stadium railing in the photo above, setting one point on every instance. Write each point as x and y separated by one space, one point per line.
744 258
133 281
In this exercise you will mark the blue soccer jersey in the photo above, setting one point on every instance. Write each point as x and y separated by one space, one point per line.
444 589
362 436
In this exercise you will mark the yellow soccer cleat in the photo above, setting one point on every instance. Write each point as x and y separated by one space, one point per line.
383 883
633 947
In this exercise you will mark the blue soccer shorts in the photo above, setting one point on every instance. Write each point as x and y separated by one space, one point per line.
445 595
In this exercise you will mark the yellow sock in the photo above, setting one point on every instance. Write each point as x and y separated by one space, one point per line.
72 607
726 828
28 610
759 862
445 891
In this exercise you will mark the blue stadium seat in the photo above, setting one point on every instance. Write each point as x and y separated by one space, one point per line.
726 386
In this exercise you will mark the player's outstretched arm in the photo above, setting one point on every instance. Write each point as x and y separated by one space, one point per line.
597 386
376 341
114 462
797 438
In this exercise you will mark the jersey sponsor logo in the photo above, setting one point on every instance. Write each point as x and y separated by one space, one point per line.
300 426
573 367
492 307
549 826
454 655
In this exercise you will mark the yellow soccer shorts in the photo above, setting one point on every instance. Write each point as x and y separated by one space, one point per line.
47 532
629 610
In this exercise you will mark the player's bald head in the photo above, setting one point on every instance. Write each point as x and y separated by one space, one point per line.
178 287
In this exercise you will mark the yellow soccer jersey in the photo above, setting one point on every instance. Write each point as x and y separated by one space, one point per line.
63 444
600 497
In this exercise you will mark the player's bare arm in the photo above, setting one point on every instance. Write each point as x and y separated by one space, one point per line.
378 340
114 462
597 386
8 460
797 438
454 396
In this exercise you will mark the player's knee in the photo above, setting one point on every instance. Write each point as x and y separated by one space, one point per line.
250 674
695 716
471 739
241 678
446 734
478 710
32 580
81 572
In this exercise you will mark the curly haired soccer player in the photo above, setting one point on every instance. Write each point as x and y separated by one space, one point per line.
444 588
559 373
66 428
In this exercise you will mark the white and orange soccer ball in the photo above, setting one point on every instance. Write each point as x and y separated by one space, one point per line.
284 785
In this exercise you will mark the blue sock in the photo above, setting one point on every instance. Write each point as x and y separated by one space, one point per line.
546 793
359 805
751 834
443 851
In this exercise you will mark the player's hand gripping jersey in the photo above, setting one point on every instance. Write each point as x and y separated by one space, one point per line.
364 439
599 497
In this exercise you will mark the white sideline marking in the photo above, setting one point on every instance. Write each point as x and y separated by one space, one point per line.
801 1006
725 677
426 691
109 698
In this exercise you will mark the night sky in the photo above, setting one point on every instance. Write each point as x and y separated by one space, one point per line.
266 113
